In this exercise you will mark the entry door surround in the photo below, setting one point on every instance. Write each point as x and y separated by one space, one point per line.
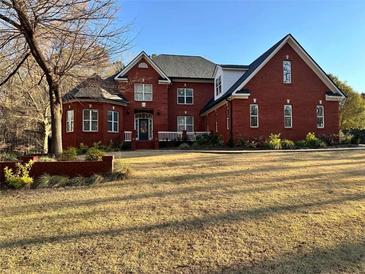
143 123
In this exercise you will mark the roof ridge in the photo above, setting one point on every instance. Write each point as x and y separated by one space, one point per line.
183 55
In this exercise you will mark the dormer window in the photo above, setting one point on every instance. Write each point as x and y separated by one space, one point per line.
287 72
218 85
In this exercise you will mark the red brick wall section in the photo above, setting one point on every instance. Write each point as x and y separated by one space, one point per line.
67 168
159 104
202 93
304 94
73 139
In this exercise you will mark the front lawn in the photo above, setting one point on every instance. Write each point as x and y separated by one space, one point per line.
196 212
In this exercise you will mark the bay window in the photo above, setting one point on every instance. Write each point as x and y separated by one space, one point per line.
90 120
113 121
70 121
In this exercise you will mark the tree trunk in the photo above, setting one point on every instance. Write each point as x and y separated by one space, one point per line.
46 134
56 120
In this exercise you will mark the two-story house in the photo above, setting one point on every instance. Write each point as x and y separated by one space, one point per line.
157 98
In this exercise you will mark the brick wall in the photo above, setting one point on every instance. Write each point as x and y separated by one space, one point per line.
73 139
202 93
159 104
304 94
66 168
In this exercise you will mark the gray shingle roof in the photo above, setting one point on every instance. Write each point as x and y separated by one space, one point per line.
97 89
181 66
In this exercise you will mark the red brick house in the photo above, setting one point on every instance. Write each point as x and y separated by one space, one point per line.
154 99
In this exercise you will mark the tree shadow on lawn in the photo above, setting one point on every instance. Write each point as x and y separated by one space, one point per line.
297 178
284 181
198 193
189 224
343 258
191 174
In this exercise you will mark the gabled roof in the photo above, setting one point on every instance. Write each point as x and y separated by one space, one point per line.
182 66
257 64
97 89
124 71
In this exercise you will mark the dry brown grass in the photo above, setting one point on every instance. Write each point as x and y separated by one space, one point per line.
192 212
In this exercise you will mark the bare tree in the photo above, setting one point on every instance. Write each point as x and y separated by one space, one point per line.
25 104
63 37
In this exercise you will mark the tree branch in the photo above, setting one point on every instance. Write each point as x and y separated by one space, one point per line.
9 21
15 70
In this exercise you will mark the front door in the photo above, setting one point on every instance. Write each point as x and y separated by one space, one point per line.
143 129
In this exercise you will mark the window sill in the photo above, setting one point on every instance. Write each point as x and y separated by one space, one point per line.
90 131
114 132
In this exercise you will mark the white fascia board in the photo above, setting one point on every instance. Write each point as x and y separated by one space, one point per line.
334 98
166 82
239 96
134 62
230 98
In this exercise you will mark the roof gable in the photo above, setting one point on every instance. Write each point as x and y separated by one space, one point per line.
131 64
261 61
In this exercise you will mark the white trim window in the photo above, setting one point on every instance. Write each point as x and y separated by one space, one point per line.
185 123
70 114
287 72
113 121
185 96
320 116
218 85
142 92
288 116
254 115
90 120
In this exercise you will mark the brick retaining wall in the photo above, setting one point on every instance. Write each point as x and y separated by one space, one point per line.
64 168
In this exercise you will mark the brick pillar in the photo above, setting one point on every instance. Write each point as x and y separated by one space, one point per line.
184 136
108 161
155 139
133 141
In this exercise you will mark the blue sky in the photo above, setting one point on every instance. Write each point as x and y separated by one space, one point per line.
237 32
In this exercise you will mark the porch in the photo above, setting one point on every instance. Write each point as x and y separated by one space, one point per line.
160 136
